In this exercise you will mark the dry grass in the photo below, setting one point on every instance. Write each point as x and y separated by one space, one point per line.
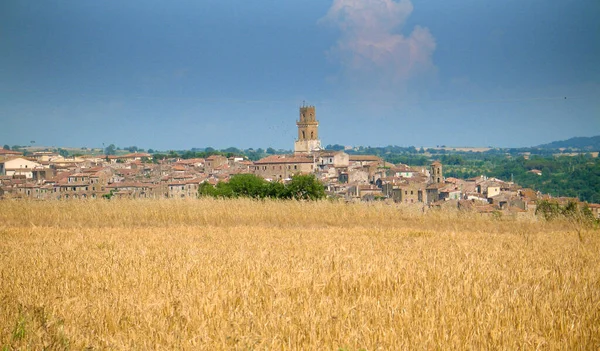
244 274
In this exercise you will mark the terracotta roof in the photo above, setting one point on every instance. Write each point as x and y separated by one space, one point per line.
134 155
64 182
364 158
92 169
130 185
214 157
436 186
283 159
9 152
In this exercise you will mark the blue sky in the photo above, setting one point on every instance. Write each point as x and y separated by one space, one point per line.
220 73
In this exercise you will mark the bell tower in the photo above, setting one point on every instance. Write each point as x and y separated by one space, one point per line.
308 131
437 176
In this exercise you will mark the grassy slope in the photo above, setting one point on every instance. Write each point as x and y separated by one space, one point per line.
243 274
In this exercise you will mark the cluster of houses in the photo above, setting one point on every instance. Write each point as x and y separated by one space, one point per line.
47 175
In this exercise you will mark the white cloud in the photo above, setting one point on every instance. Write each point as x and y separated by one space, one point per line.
372 50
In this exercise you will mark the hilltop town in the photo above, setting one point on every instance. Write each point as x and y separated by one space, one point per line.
48 175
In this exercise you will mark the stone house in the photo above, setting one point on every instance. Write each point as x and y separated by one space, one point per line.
5 154
283 167
183 189
335 159
488 189
406 193
133 190
360 191
213 162
450 192
432 192
40 174
364 160
18 166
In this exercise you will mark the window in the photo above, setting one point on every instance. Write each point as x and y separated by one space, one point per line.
411 192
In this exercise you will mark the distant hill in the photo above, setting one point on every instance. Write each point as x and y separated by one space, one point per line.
581 143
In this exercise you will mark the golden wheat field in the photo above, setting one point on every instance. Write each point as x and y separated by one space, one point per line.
244 274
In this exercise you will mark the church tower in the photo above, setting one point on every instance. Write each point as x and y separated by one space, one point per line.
308 131
437 176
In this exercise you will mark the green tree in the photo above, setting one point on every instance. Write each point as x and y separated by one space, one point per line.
248 185
6 147
63 152
188 154
206 189
158 157
276 190
224 190
110 150
305 187
232 150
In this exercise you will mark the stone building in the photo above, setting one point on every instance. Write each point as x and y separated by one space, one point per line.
18 166
337 159
214 162
437 176
281 167
308 132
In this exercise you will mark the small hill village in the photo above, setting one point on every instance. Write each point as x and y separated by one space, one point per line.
47 175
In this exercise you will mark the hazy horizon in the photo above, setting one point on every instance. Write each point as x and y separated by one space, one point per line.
188 74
